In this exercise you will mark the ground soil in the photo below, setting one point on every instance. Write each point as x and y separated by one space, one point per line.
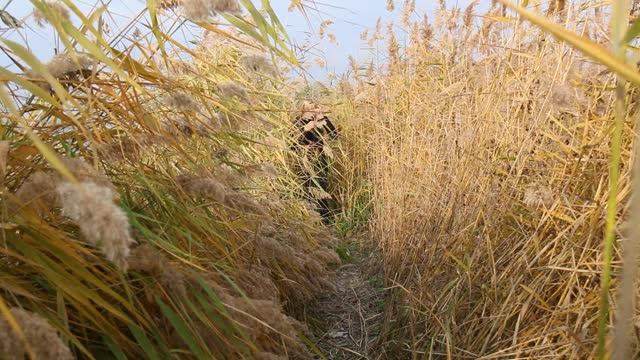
349 317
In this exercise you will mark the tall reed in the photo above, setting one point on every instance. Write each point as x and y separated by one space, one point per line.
148 209
502 165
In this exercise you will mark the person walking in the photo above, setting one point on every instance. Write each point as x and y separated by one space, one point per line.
312 131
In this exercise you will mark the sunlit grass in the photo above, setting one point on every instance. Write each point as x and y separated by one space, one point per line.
498 161
148 209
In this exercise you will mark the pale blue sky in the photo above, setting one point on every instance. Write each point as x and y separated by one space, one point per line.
350 17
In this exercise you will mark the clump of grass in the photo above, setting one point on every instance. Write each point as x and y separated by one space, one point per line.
488 183
135 223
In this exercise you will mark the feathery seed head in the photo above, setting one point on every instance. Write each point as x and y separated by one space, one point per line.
468 13
323 27
169 4
258 63
408 9
318 193
364 34
263 169
146 258
233 90
41 337
226 6
201 10
204 187
244 204
38 191
101 222
196 10
63 65
564 98
426 30
391 5
84 171
57 8
182 101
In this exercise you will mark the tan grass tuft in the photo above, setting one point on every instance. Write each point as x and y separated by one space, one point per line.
58 9
233 90
102 223
182 101
40 336
201 10
408 9
484 153
391 5
146 258
196 10
204 187
259 64
39 192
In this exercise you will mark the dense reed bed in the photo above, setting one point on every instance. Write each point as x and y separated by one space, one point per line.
147 207
486 147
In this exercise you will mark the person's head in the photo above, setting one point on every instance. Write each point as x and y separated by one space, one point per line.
310 110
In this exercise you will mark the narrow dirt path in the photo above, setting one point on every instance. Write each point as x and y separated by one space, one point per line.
350 316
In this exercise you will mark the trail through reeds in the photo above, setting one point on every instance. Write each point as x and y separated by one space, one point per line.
350 316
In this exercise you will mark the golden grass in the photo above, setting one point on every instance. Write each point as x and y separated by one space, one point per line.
485 146
148 209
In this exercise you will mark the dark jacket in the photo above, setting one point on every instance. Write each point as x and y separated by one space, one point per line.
315 137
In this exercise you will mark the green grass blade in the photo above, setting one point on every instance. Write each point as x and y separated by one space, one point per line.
182 330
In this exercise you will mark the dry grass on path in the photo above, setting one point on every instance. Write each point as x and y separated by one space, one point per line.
350 316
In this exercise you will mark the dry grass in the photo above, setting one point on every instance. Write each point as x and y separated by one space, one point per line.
147 206
149 209
485 147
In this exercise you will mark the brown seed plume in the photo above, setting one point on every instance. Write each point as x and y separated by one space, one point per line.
40 336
